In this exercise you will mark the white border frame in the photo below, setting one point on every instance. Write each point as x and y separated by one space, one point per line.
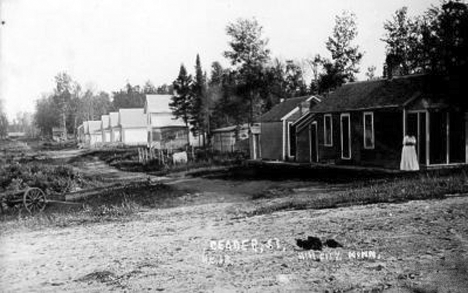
371 147
325 130
349 135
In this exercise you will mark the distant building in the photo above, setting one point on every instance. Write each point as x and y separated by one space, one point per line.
95 133
132 123
233 138
16 134
105 128
57 133
114 127
278 137
165 131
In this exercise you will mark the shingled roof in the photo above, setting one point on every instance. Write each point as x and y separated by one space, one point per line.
282 109
158 103
132 117
382 93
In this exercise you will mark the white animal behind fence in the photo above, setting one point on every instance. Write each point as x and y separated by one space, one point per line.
179 158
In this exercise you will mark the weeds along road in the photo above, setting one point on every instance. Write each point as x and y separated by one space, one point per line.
208 244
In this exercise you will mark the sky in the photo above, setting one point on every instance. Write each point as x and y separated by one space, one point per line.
103 44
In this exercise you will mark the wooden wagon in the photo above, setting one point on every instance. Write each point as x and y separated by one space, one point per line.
33 199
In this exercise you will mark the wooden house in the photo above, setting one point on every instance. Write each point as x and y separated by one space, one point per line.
132 124
95 133
164 130
80 135
114 127
232 138
105 129
57 134
85 133
277 138
364 123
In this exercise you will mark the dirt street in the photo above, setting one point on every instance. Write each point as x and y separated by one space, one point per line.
208 245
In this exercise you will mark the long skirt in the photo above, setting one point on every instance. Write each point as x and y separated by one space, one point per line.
409 159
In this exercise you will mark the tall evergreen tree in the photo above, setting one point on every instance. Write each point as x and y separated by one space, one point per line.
62 97
182 100
198 110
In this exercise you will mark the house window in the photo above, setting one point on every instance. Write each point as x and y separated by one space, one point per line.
345 133
328 130
369 139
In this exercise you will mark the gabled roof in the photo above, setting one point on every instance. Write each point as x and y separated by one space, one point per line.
114 119
282 109
158 104
105 121
132 117
94 126
382 93
234 127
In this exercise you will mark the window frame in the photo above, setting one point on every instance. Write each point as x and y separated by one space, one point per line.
371 114
330 144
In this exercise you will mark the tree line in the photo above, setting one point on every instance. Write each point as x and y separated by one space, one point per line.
434 42
68 105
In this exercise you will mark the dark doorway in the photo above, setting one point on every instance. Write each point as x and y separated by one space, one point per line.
313 143
416 126
292 140
457 137
438 135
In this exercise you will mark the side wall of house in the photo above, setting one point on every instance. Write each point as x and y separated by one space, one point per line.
134 136
272 140
388 133
224 141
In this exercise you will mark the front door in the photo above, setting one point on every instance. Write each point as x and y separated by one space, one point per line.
313 143
345 123
416 126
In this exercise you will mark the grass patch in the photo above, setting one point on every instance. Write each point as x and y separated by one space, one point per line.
126 159
391 191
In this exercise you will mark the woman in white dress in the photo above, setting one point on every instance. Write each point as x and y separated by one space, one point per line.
409 159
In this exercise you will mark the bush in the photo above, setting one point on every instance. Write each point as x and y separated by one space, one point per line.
56 179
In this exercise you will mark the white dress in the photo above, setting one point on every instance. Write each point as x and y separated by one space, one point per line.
409 159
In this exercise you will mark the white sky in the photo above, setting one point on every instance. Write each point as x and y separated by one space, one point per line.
105 43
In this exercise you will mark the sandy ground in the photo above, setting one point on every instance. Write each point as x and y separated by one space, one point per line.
419 246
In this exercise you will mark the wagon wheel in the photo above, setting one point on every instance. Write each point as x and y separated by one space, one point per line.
34 200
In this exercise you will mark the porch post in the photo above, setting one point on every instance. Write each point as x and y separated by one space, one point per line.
448 137
310 143
284 140
404 123
466 137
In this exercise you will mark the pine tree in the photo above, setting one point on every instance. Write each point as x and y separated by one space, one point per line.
182 100
345 56
198 111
